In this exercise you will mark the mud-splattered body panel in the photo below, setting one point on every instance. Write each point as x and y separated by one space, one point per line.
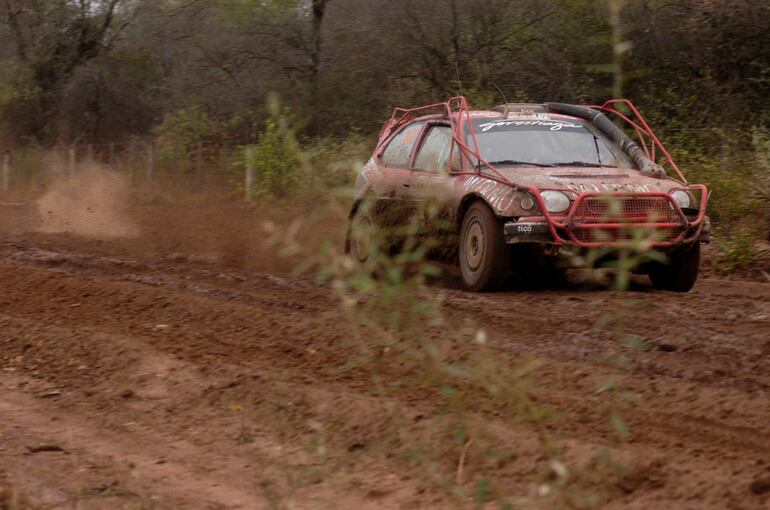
511 189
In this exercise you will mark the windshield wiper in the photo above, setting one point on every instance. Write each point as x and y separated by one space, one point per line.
582 163
514 162
598 152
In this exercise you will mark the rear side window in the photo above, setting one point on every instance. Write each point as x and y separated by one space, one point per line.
399 149
434 152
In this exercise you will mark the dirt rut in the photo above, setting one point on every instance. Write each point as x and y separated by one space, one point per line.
135 381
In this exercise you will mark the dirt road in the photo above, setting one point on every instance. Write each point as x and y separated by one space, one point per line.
147 373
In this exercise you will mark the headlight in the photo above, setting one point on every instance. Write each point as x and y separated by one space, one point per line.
681 197
555 201
527 202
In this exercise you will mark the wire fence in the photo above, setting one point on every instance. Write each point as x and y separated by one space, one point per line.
203 166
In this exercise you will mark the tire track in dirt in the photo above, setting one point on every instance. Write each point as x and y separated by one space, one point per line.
89 447
244 298
152 429
702 399
699 377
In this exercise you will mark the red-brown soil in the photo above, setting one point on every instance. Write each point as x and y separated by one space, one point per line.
187 368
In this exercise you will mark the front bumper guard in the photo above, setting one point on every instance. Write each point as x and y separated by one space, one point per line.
560 230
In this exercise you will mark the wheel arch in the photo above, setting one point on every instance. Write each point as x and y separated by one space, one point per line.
465 204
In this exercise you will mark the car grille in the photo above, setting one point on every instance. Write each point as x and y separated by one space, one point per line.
632 215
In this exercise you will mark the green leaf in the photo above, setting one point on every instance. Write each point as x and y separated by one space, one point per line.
483 491
619 425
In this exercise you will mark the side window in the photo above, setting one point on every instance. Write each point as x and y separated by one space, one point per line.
455 161
434 151
399 149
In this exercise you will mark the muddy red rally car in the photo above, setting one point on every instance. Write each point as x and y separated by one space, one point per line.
524 184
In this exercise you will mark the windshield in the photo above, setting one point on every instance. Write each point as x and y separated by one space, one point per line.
541 141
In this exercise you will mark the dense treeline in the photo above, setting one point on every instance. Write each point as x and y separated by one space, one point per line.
108 70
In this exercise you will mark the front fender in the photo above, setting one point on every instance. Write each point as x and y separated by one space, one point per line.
504 199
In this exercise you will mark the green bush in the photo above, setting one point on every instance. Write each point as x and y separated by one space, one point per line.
334 162
737 177
181 130
739 249
276 164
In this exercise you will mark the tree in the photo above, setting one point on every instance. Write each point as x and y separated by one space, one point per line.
52 39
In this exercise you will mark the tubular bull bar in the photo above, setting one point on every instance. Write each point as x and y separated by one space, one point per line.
618 219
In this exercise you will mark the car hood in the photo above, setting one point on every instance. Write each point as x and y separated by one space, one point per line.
582 179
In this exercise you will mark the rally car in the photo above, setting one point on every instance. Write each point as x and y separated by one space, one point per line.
547 178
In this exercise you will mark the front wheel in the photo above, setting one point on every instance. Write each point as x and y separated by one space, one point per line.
483 253
681 271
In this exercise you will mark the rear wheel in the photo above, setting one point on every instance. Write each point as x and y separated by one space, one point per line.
483 253
681 271
362 237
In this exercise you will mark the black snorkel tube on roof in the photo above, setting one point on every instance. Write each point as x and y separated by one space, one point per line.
647 167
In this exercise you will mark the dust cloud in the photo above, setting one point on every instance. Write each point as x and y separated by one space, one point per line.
93 203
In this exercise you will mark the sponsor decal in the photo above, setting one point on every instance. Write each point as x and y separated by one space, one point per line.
553 125
525 228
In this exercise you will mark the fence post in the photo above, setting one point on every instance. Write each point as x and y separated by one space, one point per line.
112 154
250 171
151 163
73 155
199 167
6 170
131 161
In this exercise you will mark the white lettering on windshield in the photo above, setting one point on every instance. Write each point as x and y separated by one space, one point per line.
553 125
604 187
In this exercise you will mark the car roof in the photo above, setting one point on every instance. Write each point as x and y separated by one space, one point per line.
494 114
457 115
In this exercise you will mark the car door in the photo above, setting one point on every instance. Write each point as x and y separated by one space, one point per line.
431 185
394 162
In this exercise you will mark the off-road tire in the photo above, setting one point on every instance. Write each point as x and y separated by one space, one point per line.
361 237
483 254
681 271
